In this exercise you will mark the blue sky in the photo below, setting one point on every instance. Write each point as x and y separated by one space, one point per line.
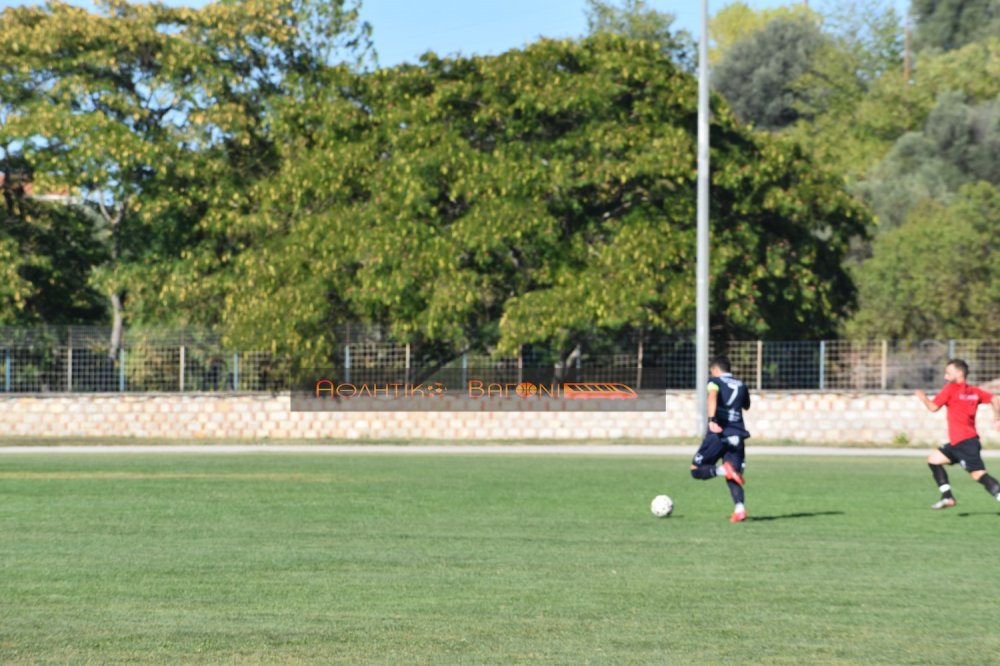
404 29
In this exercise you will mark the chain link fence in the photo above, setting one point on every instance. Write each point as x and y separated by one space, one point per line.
79 359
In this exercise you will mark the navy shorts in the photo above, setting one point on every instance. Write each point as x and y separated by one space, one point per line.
728 448
966 453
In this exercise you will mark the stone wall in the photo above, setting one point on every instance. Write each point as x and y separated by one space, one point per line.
814 417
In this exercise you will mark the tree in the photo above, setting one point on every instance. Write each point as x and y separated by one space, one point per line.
756 75
533 197
936 275
156 115
14 289
48 253
863 51
951 24
958 145
737 22
636 20
852 136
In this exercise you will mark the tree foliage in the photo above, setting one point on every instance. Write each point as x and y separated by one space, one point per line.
757 74
533 197
936 275
958 144
635 19
951 24
231 174
156 116
737 21
860 59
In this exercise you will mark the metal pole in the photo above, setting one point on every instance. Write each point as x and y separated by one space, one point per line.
465 371
121 370
885 364
69 368
822 364
236 371
520 364
347 363
760 365
406 380
6 372
181 371
638 369
701 324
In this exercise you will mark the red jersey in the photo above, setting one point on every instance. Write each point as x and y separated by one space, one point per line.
962 402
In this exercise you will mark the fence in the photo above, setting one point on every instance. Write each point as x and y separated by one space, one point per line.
77 359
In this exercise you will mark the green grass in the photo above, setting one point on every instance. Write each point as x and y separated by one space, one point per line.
409 559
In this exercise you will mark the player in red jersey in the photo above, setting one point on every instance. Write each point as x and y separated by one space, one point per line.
963 445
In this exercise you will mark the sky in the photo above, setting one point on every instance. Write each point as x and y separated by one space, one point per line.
404 29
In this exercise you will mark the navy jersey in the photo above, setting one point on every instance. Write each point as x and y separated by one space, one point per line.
733 398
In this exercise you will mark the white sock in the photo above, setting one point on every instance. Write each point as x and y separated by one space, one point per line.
739 507
945 488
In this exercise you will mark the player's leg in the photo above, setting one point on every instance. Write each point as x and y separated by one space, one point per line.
703 463
936 461
734 462
970 453
732 459
992 485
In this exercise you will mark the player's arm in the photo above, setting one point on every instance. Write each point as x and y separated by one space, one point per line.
713 405
995 404
928 403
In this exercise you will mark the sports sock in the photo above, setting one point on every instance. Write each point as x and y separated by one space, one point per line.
941 477
736 490
739 507
703 472
991 484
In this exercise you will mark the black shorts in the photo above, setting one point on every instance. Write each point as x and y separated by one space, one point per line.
729 449
966 453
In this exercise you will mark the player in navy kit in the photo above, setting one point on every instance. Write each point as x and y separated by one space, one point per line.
727 398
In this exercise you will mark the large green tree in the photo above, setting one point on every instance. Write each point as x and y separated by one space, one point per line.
156 116
533 197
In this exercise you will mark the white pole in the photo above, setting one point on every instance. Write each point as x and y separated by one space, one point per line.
760 365
701 324
885 364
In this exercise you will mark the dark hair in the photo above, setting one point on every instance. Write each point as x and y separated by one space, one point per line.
961 365
722 363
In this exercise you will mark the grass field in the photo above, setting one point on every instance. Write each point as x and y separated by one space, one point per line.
404 559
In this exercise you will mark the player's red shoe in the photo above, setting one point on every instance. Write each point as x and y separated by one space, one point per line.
731 473
944 503
738 516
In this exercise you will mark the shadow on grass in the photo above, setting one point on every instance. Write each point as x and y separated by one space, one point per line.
966 514
796 515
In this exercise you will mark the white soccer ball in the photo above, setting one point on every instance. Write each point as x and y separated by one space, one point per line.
662 506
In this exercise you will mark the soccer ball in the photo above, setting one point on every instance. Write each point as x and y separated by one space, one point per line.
662 506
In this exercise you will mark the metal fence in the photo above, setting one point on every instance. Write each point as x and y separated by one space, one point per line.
77 359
